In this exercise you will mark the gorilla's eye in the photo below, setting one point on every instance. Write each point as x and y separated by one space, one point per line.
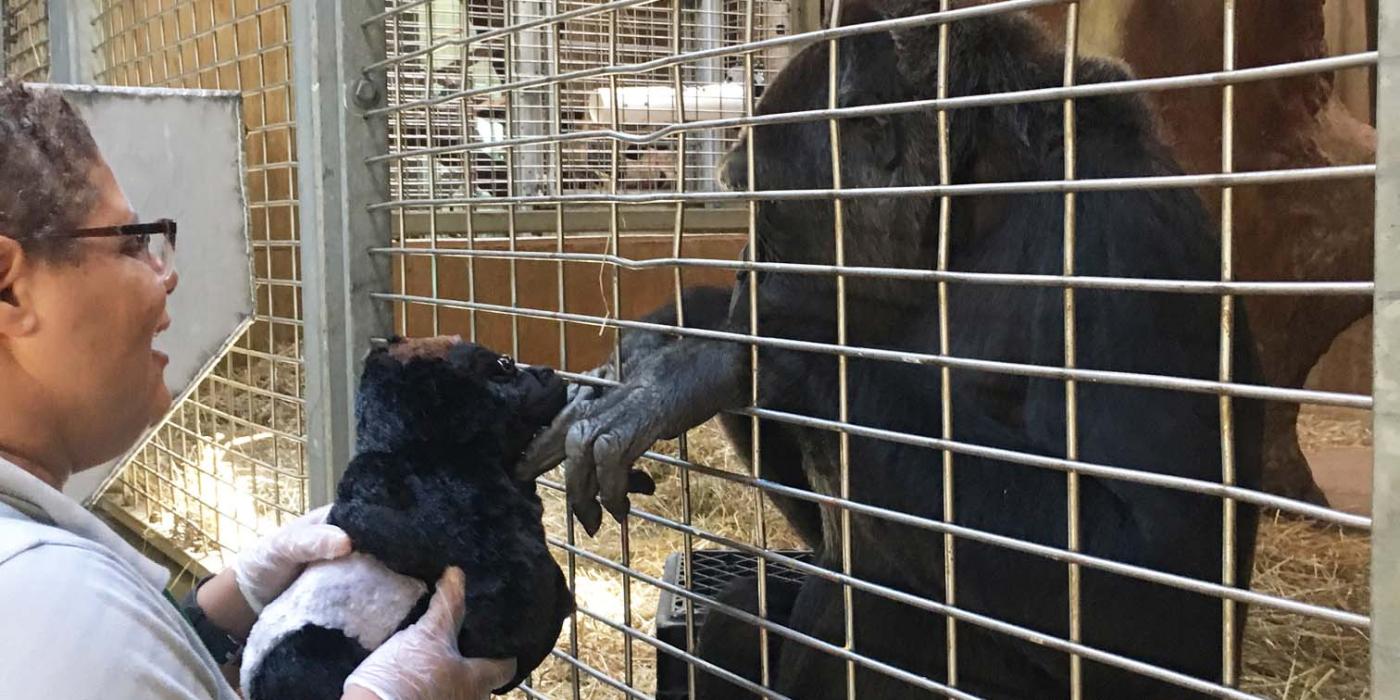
506 364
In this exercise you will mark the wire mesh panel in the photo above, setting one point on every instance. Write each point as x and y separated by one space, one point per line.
230 463
1006 356
25 40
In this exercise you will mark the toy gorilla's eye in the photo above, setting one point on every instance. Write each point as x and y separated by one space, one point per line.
506 364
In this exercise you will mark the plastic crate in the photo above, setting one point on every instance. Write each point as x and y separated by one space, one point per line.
713 570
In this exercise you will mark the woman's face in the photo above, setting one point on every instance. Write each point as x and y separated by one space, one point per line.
96 320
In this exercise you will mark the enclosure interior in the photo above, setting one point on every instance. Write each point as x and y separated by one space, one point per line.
552 179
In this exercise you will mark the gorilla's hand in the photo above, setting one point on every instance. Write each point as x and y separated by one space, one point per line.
603 430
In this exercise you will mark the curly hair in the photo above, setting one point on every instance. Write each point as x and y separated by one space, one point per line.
46 159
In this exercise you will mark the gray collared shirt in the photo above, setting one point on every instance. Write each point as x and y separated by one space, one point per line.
82 613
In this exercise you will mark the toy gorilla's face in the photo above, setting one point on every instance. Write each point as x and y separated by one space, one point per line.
446 391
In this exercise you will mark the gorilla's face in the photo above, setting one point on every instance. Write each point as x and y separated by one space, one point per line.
876 151
446 391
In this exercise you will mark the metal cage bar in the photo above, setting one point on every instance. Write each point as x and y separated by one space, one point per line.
24 39
1385 552
335 138
229 464
498 178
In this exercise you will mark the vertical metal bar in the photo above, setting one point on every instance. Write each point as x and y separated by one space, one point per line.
405 175
329 45
804 16
72 37
614 236
533 112
677 249
429 80
1385 504
709 24
945 209
557 119
756 451
4 38
1228 671
839 226
468 181
511 179
1071 388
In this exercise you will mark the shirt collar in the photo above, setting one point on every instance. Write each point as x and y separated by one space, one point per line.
42 502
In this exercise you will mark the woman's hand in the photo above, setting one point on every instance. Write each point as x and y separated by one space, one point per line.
269 567
233 599
422 661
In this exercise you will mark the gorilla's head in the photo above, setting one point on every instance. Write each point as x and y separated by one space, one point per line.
445 391
893 149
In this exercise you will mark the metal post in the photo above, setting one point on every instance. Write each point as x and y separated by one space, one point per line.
330 44
4 38
709 34
71 42
806 16
1385 505
531 114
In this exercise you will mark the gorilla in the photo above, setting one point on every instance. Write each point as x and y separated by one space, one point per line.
671 382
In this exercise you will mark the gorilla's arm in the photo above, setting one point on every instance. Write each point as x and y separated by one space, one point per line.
671 384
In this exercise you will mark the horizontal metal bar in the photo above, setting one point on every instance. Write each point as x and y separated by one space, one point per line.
663 646
786 632
397 9
660 219
924 20
1148 381
1080 91
254 462
199 498
1186 583
600 676
505 31
1136 284
1103 471
937 608
1114 184
1137 476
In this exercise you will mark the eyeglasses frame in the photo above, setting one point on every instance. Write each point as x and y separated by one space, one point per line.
164 227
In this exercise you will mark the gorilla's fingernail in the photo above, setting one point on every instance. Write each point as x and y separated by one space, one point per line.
590 516
619 509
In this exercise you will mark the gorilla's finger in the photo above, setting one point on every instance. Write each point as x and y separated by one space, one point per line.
580 476
546 450
590 515
542 455
613 475
641 482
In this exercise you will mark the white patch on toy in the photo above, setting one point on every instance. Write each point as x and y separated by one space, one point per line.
355 594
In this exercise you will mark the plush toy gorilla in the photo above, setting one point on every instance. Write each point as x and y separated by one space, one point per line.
440 424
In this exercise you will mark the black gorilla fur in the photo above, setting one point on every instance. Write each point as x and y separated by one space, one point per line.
671 383
440 422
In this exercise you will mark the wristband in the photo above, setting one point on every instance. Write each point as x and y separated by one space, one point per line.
221 645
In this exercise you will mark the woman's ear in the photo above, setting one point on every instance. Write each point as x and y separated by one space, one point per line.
16 309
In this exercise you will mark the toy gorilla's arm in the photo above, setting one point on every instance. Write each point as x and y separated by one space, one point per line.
671 384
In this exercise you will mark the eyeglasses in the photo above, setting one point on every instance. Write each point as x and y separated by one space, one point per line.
157 240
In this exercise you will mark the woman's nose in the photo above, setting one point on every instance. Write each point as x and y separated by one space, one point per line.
172 280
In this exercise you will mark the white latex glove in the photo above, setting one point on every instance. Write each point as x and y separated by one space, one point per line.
422 661
269 567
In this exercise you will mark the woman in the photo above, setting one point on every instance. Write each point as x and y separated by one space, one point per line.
83 286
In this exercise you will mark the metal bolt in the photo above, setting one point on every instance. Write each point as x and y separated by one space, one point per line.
366 94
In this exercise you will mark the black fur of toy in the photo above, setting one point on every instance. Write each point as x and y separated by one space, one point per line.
440 423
